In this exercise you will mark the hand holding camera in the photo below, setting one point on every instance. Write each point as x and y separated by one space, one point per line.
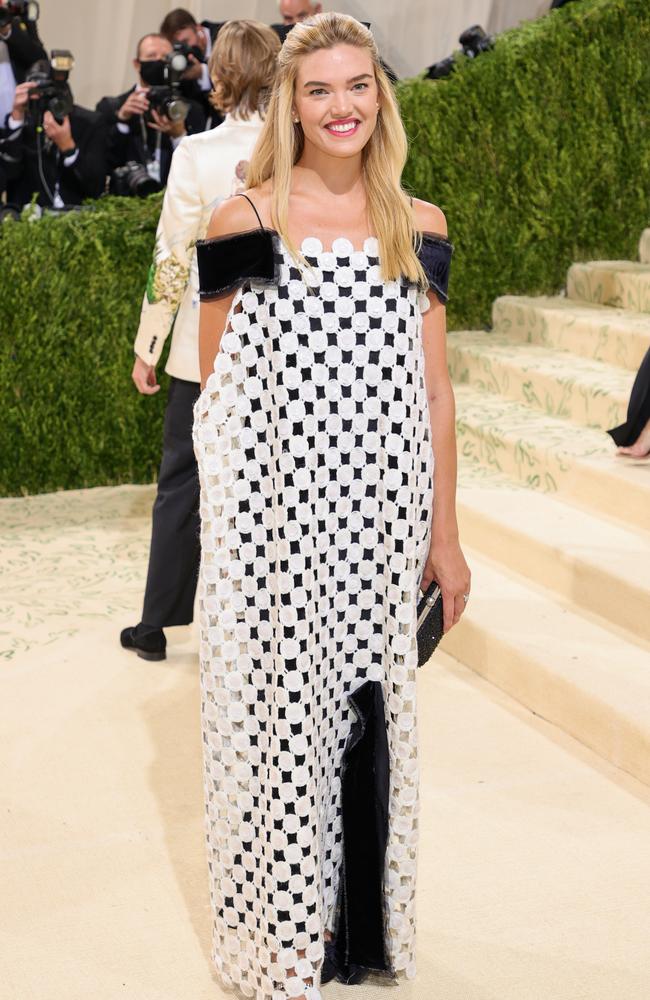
194 68
21 100
174 128
137 103
59 132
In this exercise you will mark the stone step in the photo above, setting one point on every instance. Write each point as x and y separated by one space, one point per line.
551 455
568 669
590 393
644 247
620 283
595 564
601 333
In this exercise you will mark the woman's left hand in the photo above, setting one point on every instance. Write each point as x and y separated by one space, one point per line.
446 564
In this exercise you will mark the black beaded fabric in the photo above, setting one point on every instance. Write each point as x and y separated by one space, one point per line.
312 437
430 622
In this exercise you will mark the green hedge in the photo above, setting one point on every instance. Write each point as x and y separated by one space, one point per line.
538 152
70 302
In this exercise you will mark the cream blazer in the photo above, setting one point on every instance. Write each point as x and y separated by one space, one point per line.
206 168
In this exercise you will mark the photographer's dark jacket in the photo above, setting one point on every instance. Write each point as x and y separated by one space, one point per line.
213 117
134 140
25 48
75 177
192 91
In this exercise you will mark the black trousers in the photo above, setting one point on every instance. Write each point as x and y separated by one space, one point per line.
638 409
175 541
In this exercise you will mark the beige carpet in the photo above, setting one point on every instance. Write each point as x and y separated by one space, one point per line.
534 879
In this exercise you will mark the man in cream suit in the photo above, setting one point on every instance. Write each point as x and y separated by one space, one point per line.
205 169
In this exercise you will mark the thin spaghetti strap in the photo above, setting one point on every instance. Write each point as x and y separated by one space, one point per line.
252 206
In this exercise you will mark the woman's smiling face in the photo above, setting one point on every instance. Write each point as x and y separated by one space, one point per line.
336 98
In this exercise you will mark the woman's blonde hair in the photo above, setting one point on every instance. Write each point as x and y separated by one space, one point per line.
281 142
242 67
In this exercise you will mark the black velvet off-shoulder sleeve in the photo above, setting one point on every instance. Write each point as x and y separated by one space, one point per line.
435 256
226 262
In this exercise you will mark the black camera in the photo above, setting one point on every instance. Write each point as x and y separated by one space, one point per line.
189 50
445 67
27 9
473 42
166 98
133 179
52 91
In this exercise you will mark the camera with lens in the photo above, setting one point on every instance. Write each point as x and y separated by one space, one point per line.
133 179
166 97
28 10
473 42
52 91
445 67
189 50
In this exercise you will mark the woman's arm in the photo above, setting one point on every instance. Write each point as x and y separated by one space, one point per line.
212 324
232 216
445 562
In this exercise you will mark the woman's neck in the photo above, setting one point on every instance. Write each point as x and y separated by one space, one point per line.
328 175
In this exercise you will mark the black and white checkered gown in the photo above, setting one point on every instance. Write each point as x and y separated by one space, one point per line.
313 443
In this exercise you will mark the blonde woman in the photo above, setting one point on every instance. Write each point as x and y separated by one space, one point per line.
326 400
206 169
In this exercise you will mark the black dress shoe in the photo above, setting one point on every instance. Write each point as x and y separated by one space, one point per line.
149 643
351 975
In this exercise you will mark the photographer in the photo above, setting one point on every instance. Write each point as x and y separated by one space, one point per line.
139 132
180 27
52 147
294 11
20 48
18 32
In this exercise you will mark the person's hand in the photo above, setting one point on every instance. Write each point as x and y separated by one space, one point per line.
60 134
446 564
194 68
144 377
136 104
21 100
163 124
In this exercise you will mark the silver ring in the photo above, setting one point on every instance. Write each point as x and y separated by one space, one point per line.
466 598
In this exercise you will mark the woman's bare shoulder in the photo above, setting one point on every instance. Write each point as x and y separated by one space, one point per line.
429 218
236 214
